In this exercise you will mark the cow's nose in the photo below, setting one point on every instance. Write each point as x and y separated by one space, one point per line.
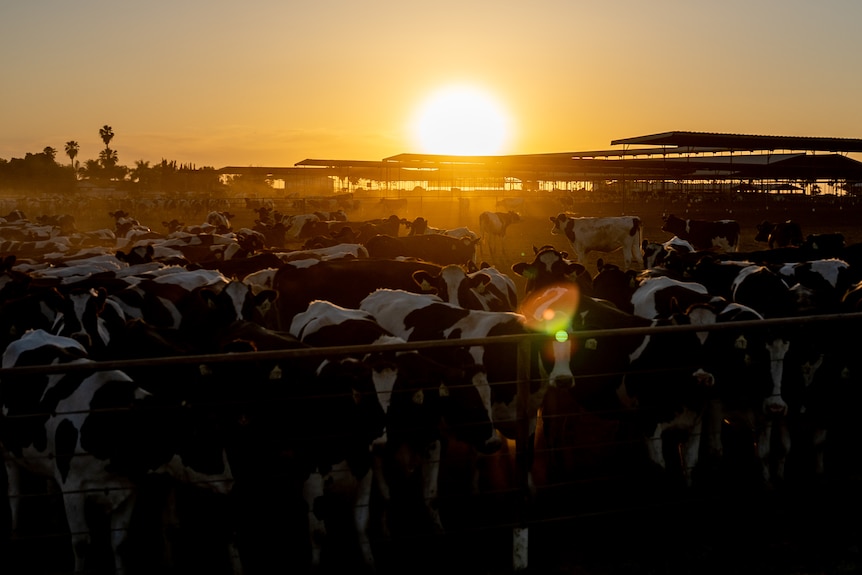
775 407
563 382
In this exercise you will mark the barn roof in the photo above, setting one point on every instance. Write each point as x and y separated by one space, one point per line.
744 142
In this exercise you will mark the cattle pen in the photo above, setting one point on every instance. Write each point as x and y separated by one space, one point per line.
595 502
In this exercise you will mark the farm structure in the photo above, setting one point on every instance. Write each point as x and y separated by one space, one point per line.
643 166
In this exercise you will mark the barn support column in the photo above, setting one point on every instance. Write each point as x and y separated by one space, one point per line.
520 533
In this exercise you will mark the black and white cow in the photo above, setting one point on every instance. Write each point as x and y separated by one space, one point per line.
492 229
818 284
342 282
667 255
720 235
96 434
608 234
486 289
748 364
436 248
420 397
779 235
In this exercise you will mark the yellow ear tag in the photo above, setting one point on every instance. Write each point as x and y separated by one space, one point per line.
419 397
444 391
591 343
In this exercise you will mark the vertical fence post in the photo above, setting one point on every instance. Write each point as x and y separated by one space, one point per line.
520 533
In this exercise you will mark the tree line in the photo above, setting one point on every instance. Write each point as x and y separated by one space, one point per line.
41 172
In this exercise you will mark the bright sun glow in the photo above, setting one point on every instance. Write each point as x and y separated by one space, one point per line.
461 120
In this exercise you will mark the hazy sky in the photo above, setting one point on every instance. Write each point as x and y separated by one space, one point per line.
272 82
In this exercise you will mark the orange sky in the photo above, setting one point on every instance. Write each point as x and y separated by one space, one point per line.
270 83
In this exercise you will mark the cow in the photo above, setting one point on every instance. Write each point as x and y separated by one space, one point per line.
485 289
606 235
720 235
511 203
343 282
615 285
340 250
221 221
659 297
419 226
435 248
668 255
753 285
779 235
492 230
97 434
819 284
827 244
748 364
392 204
419 396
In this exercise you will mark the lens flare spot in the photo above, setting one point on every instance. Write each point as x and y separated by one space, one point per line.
562 336
551 309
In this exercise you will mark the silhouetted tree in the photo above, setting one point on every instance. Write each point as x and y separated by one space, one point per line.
36 172
142 174
72 148
107 134
108 158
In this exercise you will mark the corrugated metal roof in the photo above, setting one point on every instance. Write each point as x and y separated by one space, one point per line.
745 141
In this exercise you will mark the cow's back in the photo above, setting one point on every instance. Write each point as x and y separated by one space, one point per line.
342 282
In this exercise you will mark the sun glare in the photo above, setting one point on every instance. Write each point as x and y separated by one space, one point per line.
461 120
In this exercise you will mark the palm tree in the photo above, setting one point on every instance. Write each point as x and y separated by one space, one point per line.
50 152
141 173
72 148
108 157
107 134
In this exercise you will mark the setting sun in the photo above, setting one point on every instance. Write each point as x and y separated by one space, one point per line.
461 120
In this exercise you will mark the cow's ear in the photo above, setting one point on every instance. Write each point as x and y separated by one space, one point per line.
423 280
266 295
99 296
575 269
480 281
209 296
520 268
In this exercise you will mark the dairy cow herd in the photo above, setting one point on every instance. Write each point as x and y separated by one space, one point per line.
230 370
